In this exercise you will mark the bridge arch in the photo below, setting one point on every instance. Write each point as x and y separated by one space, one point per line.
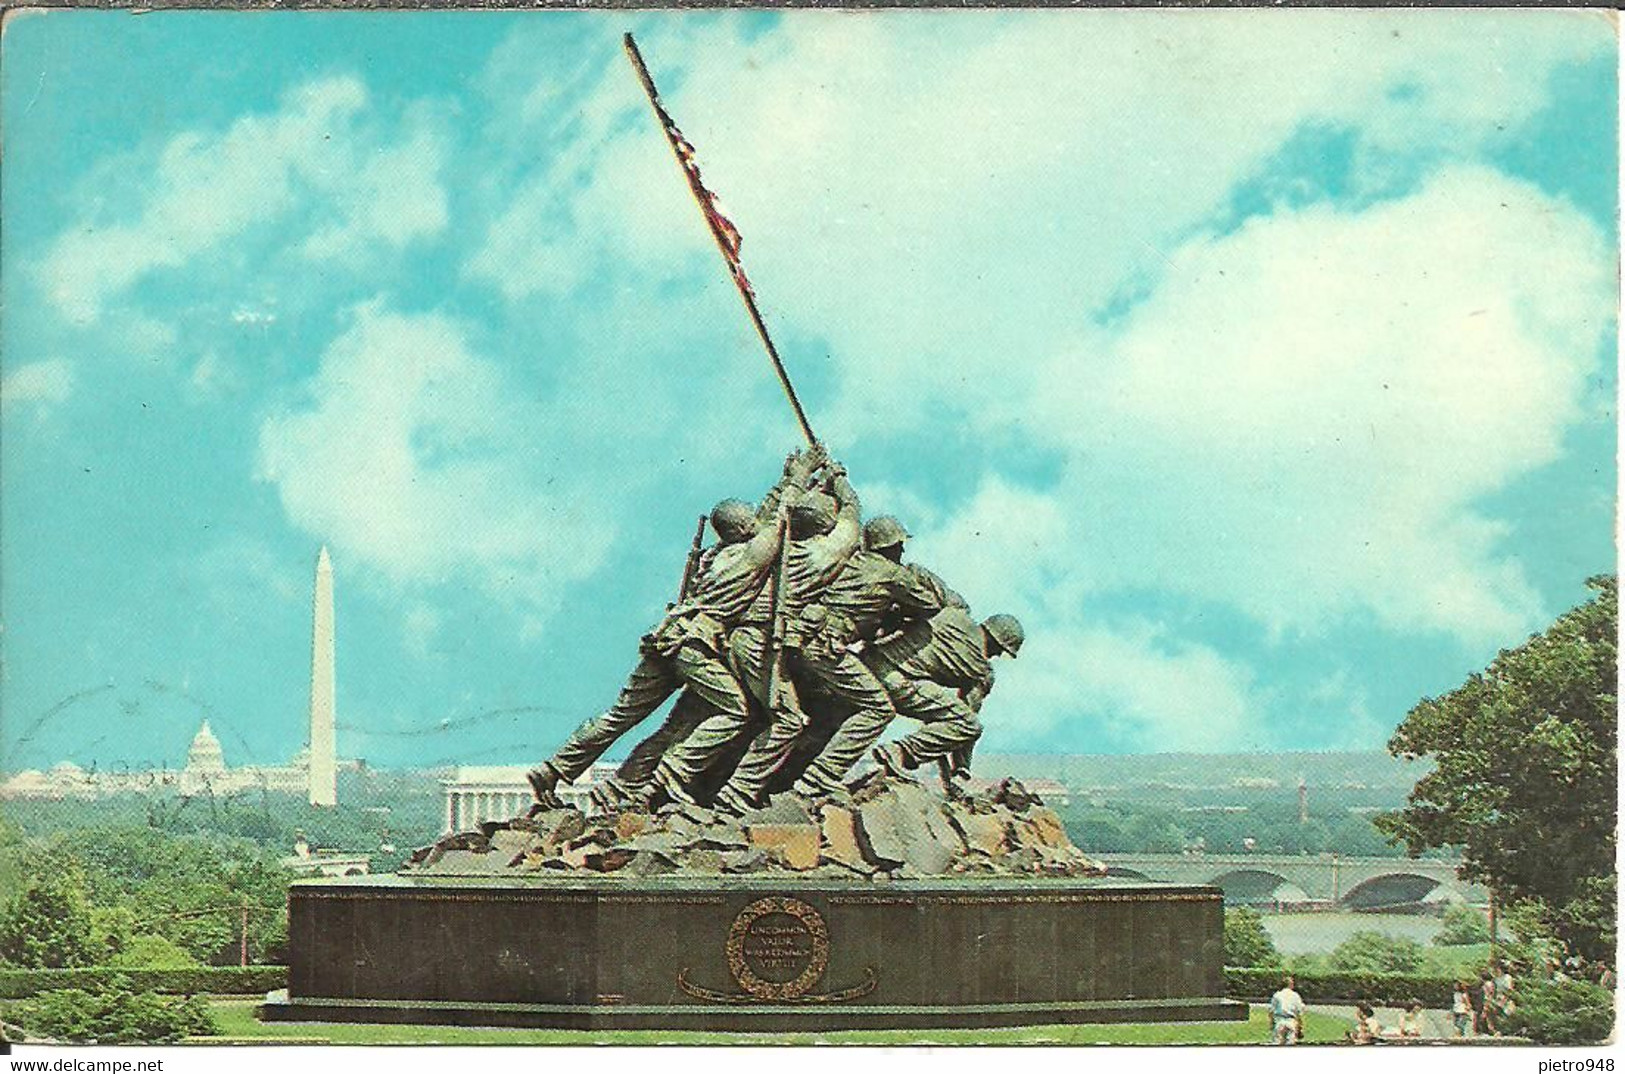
1248 887
1390 891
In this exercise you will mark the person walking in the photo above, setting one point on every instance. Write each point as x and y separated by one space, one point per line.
1490 1004
1286 1014
1461 1010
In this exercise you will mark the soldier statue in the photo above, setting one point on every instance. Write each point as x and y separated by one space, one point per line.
687 648
801 638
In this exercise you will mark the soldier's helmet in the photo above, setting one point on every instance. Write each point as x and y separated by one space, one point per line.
733 521
1006 631
812 516
883 532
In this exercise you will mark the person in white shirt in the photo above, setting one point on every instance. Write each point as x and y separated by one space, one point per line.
1286 1015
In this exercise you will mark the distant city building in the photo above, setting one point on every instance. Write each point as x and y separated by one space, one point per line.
477 793
1257 783
205 773
65 780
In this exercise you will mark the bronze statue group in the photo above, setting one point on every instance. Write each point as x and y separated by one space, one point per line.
797 638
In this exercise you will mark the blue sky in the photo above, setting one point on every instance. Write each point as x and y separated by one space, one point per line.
1262 362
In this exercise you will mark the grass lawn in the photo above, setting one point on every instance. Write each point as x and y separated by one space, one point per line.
237 1021
1461 960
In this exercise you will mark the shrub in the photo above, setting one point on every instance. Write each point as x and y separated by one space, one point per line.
1246 942
228 980
1560 1012
148 951
1373 952
114 1014
1462 925
1382 989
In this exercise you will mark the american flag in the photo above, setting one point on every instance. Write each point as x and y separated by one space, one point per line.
723 228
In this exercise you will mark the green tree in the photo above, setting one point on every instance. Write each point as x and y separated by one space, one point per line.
1561 1012
1246 942
1154 833
1526 774
1373 952
49 925
1462 925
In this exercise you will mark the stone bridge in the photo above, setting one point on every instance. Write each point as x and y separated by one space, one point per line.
1351 883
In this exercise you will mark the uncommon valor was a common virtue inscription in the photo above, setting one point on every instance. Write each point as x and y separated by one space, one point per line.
778 949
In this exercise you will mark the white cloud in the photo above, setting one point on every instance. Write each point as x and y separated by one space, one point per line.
1017 551
325 146
997 548
405 458
1301 419
47 381
395 197
1128 683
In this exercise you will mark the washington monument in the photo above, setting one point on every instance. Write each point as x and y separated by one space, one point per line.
323 781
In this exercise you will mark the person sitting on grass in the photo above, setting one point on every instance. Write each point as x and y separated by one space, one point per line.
1410 1022
1365 1029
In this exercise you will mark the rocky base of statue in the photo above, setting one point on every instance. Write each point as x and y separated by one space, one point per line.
885 827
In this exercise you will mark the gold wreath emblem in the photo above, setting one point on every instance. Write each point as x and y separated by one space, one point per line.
818 957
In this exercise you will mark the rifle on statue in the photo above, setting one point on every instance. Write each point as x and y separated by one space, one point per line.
692 565
774 655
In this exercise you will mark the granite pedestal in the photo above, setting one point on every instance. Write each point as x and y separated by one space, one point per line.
751 954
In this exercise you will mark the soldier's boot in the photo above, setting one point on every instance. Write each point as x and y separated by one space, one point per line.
892 760
608 797
732 802
667 783
815 783
645 798
544 778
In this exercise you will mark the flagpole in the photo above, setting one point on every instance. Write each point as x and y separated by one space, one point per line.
702 198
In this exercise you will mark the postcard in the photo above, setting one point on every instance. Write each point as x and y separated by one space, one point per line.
771 526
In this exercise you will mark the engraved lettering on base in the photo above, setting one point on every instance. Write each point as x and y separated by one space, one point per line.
777 950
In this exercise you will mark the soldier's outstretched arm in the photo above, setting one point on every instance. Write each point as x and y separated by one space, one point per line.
798 471
763 548
848 531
